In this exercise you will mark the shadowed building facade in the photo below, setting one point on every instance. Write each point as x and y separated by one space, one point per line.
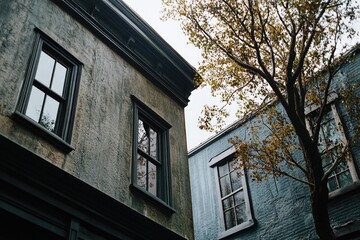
92 131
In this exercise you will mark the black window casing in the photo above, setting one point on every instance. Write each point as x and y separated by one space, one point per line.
65 117
164 196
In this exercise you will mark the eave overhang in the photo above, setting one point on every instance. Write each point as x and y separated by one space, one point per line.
132 38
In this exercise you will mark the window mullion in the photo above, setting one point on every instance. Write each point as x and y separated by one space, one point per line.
147 174
147 130
42 108
144 154
52 75
232 193
48 91
159 169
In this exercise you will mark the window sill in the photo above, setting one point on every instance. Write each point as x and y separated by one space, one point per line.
236 229
153 199
43 132
347 230
345 190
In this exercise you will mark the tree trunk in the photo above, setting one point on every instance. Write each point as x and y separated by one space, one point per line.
319 192
315 173
319 206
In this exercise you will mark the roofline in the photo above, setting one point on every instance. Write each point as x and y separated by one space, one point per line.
213 138
118 26
241 121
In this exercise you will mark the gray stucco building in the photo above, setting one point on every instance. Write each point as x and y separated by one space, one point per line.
92 133
231 206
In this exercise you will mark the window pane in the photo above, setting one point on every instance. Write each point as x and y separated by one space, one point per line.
45 69
232 194
36 99
241 214
332 184
59 78
229 218
143 137
223 169
228 203
48 118
342 166
326 161
330 133
153 144
239 197
344 179
329 157
235 180
225 185
152 178
141 171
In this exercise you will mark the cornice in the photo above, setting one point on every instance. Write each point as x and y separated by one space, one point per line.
131 37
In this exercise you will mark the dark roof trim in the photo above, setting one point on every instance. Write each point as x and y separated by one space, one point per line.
28 172
123 30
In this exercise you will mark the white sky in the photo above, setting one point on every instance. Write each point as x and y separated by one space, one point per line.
150 11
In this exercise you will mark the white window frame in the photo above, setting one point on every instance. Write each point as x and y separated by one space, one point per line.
339 127
213 163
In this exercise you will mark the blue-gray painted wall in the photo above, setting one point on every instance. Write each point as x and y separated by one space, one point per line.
281 208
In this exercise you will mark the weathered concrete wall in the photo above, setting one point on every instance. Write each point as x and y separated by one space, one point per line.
102 133
281 208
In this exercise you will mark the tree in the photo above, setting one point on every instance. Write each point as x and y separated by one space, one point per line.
259 51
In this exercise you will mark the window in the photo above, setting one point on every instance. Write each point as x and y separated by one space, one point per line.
147 157
233 194
332 146
49 93
150 174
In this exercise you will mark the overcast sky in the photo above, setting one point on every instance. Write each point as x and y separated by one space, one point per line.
150 11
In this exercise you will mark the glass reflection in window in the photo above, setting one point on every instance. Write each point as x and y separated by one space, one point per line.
147 170
232 195
331 149
45 69
46 93
35 104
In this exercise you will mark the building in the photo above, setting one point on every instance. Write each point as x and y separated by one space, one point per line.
228 205
92 133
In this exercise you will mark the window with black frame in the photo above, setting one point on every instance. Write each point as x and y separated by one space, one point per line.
148 161
151 172
48 97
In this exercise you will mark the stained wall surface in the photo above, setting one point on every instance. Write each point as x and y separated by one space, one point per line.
102 131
